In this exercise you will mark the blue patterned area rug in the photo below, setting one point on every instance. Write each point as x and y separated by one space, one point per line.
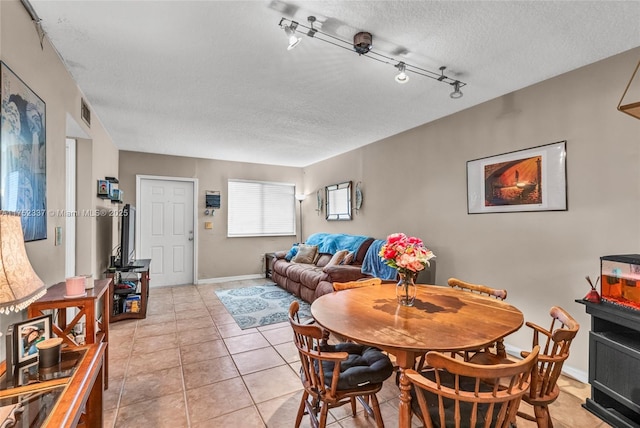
260 305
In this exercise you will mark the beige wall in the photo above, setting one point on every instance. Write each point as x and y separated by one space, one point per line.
415 182
43 71
218 256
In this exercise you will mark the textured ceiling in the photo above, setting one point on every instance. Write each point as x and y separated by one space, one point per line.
213 79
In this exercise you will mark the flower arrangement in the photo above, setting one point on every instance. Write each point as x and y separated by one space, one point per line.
405 253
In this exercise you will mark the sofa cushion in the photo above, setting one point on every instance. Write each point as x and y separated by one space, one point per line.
364 365
306 254
344 273
362 251
295 270
323 259
348 258
310 278
336 259
281 266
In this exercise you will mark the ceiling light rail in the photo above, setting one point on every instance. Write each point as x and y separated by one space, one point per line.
362 45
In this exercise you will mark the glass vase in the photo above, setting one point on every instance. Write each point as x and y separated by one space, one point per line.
406 288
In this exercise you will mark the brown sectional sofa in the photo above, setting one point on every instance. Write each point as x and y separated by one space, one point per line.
310 281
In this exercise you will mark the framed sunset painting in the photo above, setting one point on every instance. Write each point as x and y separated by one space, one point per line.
533 179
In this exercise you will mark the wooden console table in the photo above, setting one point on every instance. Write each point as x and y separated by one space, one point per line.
62 402
95 331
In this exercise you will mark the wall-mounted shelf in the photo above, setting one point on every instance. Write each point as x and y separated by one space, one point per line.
107 190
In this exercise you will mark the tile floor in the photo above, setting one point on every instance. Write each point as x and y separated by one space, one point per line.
188 365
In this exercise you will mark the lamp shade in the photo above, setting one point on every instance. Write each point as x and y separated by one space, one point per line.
19 284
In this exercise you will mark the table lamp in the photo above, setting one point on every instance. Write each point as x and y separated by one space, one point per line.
19 284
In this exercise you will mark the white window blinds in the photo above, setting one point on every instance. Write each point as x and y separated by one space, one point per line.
258 208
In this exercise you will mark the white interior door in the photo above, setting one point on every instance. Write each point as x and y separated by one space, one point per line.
166 229
70 206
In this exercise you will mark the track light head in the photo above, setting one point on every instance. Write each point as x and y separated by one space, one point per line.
362 42
312 31
402 77
457 93
290 31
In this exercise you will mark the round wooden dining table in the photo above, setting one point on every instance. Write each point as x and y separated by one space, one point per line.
441 319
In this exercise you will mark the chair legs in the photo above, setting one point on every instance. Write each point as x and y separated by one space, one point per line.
303 404
372 409
312 409
323 416
542 417
376 411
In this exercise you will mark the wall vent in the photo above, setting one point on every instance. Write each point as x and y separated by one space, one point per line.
85 112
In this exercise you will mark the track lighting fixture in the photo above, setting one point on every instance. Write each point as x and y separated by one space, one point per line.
290 31
401 77
362 44
456 90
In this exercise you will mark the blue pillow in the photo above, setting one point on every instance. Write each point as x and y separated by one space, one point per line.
292 252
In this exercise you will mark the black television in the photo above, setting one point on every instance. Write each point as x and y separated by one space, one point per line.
127 236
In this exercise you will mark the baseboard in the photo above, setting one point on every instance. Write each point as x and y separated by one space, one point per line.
572 372
230 278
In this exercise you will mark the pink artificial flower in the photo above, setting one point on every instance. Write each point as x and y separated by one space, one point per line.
405 253
414 241
389 253
396 237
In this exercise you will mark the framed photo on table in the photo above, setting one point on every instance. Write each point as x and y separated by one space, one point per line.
534 179
22 338
23 141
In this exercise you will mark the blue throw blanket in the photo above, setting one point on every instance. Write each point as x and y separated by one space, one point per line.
373 264
334 242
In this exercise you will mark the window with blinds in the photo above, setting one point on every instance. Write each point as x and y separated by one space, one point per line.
258 208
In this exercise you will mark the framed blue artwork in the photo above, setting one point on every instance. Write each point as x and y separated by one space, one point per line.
23 175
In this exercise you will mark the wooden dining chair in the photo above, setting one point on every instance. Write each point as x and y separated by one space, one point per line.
458 284
498 347
477 288
335 375
339 286
456 393
554 343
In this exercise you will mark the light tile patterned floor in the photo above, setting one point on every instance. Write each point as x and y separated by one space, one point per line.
188 365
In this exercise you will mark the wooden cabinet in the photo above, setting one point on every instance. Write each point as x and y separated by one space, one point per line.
129 285
614 364
96 300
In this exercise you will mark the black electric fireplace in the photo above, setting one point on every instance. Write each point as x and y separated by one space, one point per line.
614 363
